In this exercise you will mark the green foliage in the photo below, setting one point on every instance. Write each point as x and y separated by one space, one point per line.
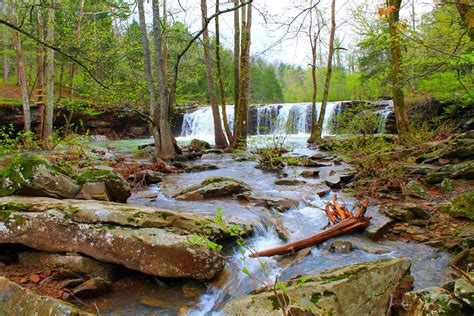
358 119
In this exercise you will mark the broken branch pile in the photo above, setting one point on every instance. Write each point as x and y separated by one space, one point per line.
343 220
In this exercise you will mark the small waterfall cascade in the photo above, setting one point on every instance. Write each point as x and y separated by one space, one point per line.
386 107
287 118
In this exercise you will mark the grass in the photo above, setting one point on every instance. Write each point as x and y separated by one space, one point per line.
8 101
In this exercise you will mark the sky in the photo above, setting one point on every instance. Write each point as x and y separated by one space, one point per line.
268 26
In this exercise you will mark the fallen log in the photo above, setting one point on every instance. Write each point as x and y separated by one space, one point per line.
349 224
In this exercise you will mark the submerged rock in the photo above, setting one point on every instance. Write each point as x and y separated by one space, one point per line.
357 289
289 182
153 241
341 246
213 187
309 173
15 300
201 167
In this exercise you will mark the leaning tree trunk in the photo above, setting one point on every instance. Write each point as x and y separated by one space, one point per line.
166 148
397 73
220 77
236 61
327 81
21 73
154 113
241 122
49 74
219 137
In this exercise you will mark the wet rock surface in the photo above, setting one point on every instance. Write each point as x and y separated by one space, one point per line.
213 187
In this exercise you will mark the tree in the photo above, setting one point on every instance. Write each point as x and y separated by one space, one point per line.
49 76
21 70
313 40
220 77
393 14
41 71
241 118
219 137
466 11
319 128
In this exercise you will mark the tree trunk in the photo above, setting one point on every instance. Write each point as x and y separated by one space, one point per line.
6 65
241 121
49 112
466 11
219 137
21 72
397 73
221 78
236 62
313 39
41 72
154 113
78 37
319 128
166 148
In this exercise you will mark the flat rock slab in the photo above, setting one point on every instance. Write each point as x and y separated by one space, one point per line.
15 300
379 225
153 241
278 201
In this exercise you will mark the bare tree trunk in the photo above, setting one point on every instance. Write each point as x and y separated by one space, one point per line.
48 118
78 37
236 62
21 72
397 73
328 73
241 122
466 11
218 132
41 72
313 39
6 65
165 37
154 113
221 78
167 148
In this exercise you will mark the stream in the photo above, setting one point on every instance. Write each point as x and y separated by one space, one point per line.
148 296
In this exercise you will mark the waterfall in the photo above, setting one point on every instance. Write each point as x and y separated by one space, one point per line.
386 109
286 118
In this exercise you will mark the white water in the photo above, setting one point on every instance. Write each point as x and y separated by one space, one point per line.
287 118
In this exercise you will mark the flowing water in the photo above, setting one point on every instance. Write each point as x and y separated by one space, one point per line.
301 221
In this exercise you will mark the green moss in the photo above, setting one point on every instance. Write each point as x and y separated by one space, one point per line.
96 175
19 171
5 214
19 207
315 297
19 220
461 206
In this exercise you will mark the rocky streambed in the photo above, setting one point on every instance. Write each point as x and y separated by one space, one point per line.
87 254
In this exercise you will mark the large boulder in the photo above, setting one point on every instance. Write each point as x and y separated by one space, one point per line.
153 241
15 300
30 175
357 289
213 187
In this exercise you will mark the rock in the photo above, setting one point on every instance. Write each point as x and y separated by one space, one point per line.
321 189
430 301
154 302
215 151
70 283
415 189
464 290
213 187
464 170
30 175
399 213
303 162
70 265
153 241
417 211
289 182
360 243
92 288
310 174
461 206
341 246
138 130
378 226
357 289
93 191
147 152
201 167
466 235
98 138
117 188
269 200
15 300
149 176
333 181
200 144
193 289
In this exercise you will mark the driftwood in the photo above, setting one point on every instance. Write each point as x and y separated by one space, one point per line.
343 220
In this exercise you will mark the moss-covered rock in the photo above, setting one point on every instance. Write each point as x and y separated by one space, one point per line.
33 176
357 289
461 206
431 301
200 144
464 290
116 187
